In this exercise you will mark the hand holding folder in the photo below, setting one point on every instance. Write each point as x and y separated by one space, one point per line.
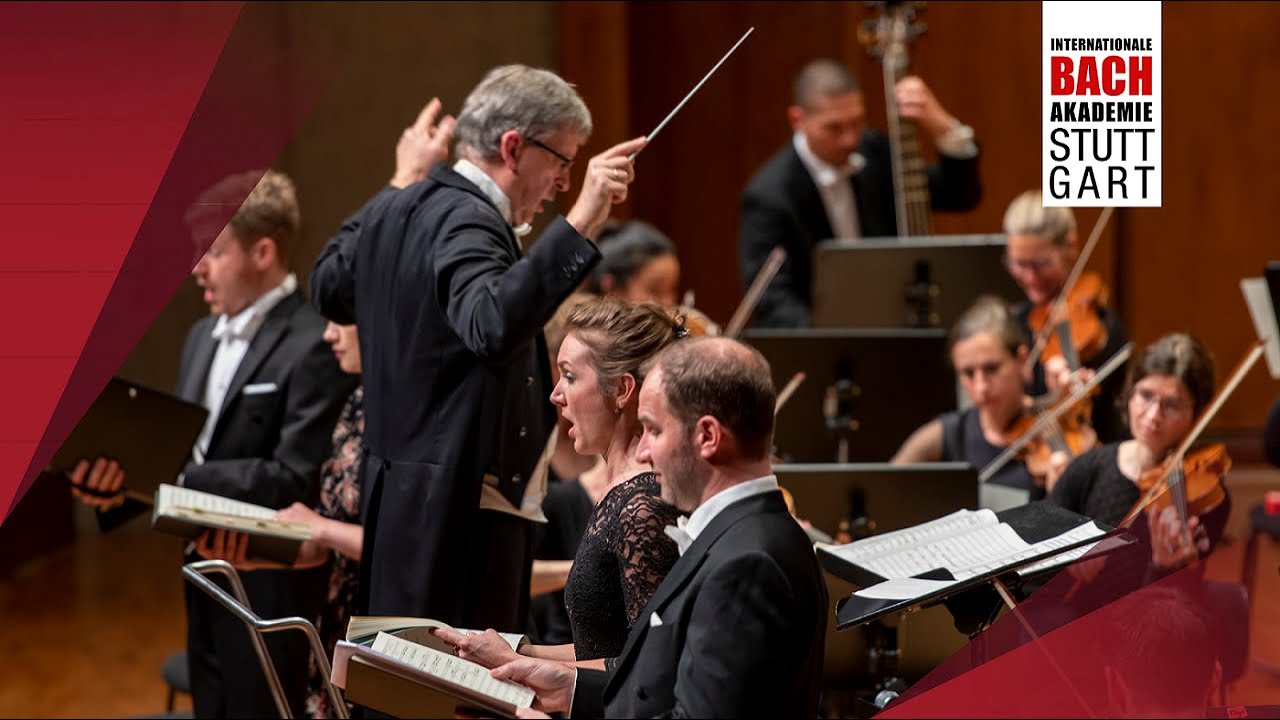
132 439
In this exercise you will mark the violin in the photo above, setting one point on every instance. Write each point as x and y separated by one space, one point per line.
1071 434
1068 325
1087 334
1200 480
1192 482
697 322
1063 427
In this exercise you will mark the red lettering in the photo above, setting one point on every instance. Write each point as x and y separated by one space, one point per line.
1113 75
1140 75
1060 80
1087 84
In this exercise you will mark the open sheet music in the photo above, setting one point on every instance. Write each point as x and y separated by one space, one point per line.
965 544
927 563
364 629
395 661
187 513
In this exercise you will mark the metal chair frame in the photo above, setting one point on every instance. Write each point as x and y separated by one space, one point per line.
238 605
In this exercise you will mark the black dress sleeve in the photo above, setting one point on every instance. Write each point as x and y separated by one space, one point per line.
645 553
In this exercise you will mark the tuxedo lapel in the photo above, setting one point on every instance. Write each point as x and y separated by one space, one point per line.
191 386
274 327
810 211
687 566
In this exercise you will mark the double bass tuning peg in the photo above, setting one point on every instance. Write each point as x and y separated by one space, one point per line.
868 34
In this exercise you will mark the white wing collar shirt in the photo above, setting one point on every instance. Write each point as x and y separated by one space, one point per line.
834 187
234 335
481 179
687 529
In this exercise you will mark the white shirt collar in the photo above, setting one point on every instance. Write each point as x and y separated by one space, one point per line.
244 324
824 173
490 189
687 529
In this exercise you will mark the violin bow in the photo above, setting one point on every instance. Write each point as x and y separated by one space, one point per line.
1042 336
672 114
752 298
1175 460
785 394
1054 413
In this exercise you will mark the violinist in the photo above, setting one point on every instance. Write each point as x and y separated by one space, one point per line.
1042 249
638 263
987 349
1169 384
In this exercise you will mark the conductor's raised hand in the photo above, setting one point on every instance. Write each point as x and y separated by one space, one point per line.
605 184
421 145
99 484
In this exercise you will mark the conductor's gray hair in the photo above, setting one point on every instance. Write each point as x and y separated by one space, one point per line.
531 101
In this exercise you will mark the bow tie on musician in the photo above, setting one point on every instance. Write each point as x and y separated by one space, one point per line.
1070 328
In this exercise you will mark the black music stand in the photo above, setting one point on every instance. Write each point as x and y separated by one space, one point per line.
863 499
917 282
864 391
1034 522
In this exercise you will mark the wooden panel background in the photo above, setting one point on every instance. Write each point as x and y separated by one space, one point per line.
1172 268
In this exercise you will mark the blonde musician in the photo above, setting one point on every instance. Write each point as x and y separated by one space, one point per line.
1042 249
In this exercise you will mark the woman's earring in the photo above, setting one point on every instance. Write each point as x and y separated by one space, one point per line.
618 409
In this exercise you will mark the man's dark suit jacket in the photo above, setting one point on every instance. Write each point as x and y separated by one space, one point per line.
782 206
267 449
456 377
743 624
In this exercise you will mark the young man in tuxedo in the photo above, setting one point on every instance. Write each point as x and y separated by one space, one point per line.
274 391
737 628
833 179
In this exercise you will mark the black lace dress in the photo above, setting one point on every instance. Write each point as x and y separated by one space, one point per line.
623 557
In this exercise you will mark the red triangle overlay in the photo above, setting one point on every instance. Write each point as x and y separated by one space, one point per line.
125 113
1101 639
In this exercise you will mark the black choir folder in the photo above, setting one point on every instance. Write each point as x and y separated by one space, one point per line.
403 678
187 513
149 432
925 564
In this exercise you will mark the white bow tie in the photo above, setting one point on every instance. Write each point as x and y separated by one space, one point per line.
678 533
844 172
224 328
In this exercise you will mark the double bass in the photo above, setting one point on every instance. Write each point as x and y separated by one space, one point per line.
887 38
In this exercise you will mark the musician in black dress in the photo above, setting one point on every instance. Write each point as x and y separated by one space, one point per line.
624 553
1170 383
988 349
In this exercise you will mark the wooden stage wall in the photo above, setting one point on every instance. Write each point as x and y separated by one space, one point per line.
1174 268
